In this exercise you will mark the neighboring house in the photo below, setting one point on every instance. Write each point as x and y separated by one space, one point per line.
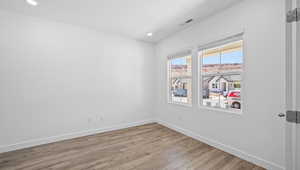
222 83
179 84
179 75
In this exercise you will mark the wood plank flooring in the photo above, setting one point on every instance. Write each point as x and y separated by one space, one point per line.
147 147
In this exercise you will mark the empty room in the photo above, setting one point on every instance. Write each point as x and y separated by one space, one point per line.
149 85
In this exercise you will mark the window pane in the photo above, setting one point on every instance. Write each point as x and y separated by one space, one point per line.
180 79
181 67
210 61
232 58
231 68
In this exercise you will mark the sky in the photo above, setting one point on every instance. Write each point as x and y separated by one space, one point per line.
227 58
179 61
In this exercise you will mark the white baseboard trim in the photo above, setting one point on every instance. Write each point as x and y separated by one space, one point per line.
36 142
236 152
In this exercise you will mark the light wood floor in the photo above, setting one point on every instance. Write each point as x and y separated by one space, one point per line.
147 147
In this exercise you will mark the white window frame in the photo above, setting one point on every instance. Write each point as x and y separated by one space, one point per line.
200 60
174 56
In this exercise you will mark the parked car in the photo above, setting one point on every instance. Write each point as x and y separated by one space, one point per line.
180 92
234 99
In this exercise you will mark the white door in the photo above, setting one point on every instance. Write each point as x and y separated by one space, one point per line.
293 86
298 89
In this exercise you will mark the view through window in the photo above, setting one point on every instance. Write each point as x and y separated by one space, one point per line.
180 80
221 75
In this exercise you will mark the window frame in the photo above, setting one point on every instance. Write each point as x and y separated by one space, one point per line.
181 54
238 37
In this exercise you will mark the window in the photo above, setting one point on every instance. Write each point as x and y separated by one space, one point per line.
221 69
180 79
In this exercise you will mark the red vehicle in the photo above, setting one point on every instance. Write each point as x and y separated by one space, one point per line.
234 99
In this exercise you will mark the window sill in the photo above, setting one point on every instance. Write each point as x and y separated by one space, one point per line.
180 104
235 112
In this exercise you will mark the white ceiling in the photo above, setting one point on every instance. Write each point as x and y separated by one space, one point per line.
132 18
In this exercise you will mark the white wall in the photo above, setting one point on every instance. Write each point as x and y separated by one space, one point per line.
258 134
59 79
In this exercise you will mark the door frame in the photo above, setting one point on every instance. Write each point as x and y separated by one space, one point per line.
291 87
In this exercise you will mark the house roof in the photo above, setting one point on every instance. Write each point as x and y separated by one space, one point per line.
229 78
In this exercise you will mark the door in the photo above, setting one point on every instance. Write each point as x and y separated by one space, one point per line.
292 85
298 89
